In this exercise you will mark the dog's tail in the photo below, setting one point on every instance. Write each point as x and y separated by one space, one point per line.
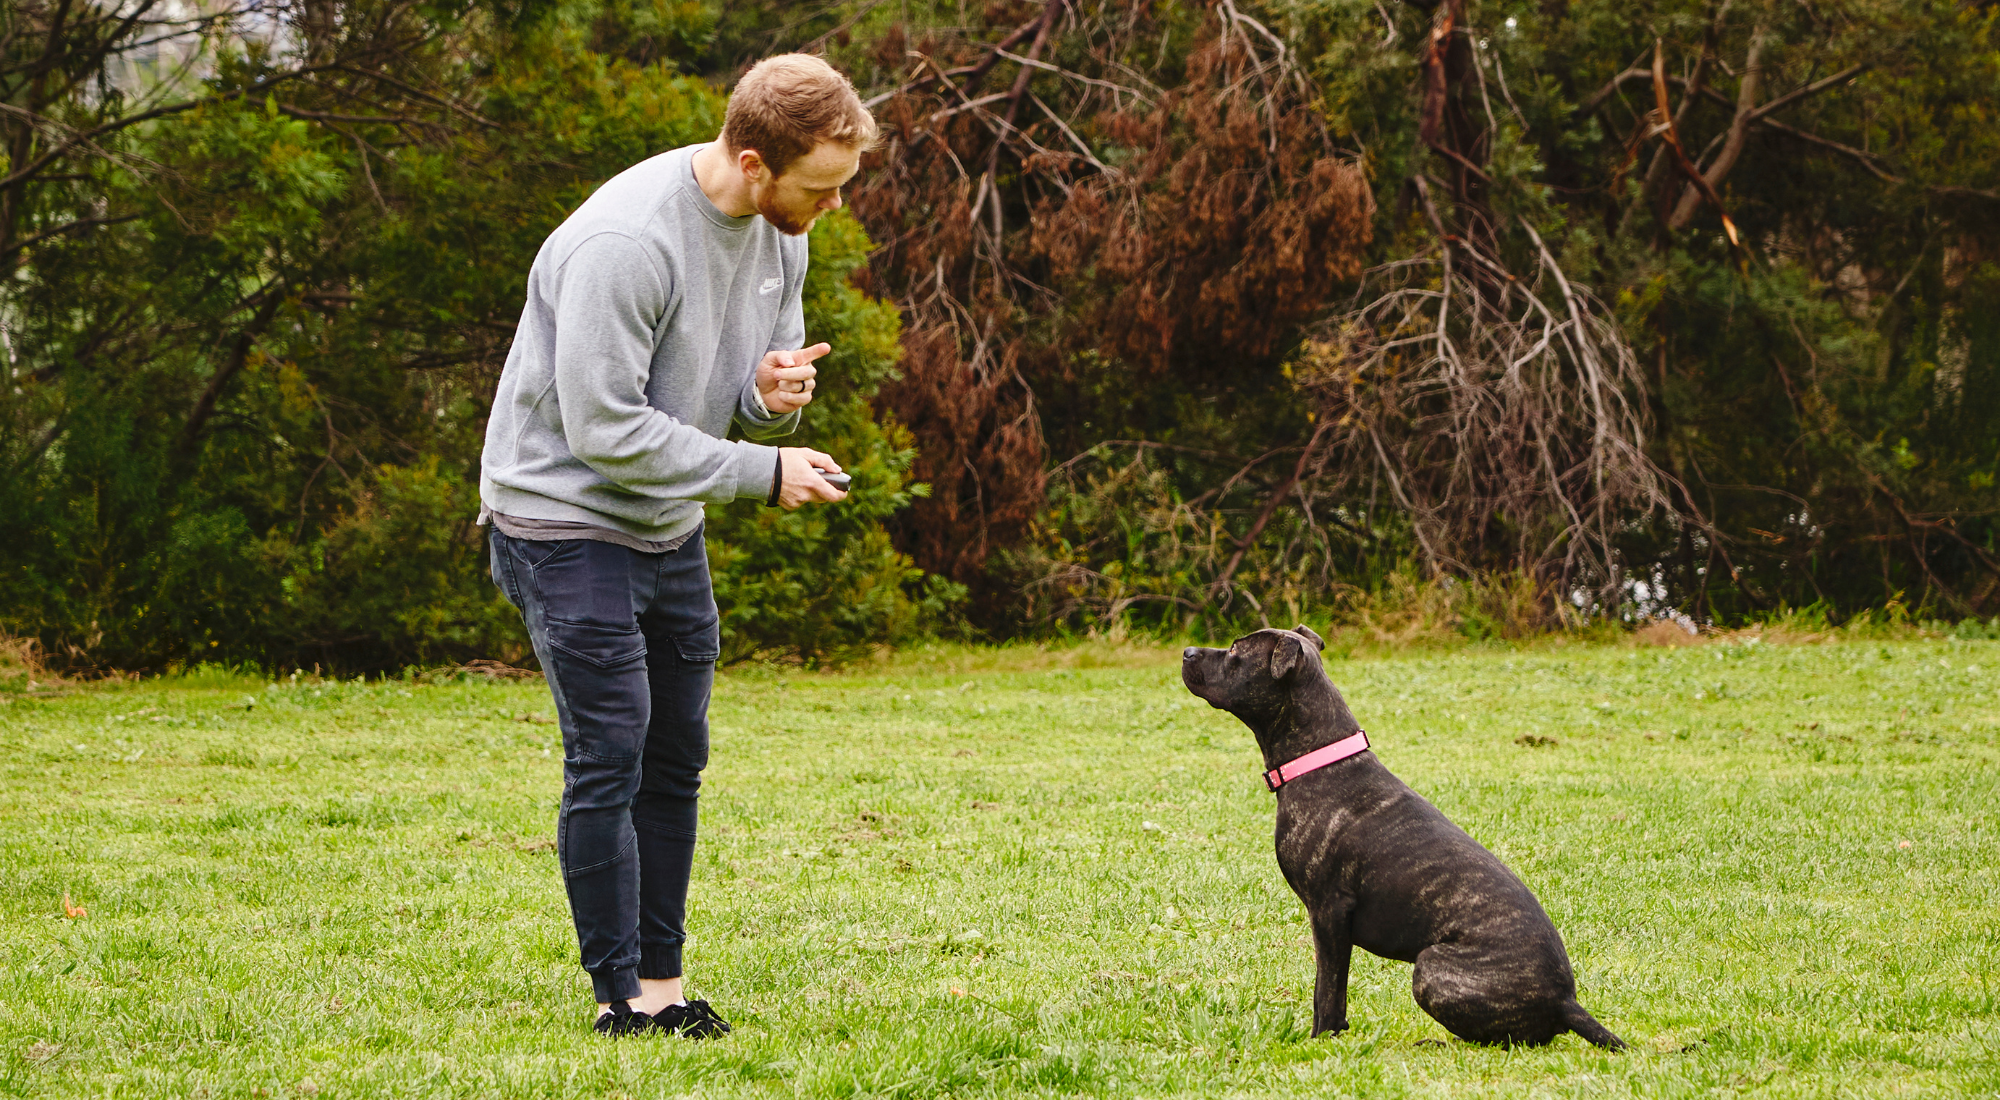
1583 1023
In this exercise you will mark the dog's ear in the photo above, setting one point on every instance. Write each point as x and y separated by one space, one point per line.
1286 657
1306 632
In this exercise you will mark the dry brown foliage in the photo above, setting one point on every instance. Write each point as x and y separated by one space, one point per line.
22 666
1089 224
1496 404
1087 228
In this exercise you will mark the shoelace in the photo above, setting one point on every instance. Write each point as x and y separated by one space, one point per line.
694 1018
701 1009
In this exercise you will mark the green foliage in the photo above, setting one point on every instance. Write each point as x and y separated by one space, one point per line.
1119 548
821 582
1830 396
244 425
1123 553
401 571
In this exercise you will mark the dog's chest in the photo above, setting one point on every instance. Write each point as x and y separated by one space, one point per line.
1317 846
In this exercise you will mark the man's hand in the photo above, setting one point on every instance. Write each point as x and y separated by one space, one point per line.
803 485
786 379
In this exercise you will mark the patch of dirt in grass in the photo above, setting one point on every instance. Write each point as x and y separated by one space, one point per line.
1665 632
41 1050
1777 634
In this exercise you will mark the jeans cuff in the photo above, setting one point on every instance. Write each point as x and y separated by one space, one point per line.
615 983
659 960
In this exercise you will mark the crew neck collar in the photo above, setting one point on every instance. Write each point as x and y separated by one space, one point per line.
702 202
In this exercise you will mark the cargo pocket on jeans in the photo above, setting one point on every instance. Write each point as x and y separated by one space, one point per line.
703 647
604 647
599 672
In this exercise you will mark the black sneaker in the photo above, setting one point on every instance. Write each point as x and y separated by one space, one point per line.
702 1007
693 1020
621 1020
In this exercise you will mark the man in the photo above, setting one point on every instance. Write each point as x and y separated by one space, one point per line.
664 308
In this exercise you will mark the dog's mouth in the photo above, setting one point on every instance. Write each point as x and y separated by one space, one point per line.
1193 672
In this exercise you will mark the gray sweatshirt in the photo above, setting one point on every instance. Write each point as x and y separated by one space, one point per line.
648 311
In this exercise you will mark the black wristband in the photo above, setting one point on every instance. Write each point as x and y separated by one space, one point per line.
777 481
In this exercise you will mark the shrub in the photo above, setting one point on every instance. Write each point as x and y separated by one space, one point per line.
823 582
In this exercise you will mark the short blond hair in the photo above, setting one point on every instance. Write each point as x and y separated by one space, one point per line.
786 105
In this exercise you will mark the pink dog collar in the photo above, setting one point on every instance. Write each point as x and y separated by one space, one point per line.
1317 759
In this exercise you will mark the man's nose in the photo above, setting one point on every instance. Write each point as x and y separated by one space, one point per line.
832 204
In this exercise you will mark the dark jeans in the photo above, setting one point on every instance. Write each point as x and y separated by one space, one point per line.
628 642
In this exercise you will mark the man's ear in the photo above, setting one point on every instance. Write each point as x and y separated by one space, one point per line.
1306 632
1286 657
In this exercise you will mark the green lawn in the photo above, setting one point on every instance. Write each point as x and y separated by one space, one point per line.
1777 870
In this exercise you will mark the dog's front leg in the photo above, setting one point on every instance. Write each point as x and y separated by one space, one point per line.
1333 942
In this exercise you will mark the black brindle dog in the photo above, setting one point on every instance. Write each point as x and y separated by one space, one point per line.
1378 866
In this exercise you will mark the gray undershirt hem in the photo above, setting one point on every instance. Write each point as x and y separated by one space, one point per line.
556 530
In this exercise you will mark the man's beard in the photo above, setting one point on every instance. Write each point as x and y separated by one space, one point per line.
767 205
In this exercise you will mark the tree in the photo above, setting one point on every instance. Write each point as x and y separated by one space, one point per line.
1717 279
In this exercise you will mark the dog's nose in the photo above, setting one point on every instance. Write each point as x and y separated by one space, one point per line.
1188 653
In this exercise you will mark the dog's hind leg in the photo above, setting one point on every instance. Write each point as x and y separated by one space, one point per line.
1333 943
1478 1003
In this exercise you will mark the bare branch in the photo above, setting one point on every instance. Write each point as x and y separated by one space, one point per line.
1814 88
1869 161
1119 89
1703 185
1603 95
62 230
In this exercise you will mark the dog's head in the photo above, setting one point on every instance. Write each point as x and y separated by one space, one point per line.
1257 674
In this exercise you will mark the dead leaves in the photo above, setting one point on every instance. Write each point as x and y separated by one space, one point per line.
71 910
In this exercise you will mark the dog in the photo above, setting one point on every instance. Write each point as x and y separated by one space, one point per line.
1378 866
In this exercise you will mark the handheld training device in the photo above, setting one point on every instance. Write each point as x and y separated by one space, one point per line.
838 481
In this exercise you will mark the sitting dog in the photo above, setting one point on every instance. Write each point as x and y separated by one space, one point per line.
1378 866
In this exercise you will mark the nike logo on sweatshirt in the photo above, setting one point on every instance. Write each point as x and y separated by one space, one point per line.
770 285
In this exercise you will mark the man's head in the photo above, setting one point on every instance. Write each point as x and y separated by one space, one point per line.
796 130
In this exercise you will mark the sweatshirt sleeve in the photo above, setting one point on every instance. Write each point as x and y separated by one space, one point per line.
790 335
610 299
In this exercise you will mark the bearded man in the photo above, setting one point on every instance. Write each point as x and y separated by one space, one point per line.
666 307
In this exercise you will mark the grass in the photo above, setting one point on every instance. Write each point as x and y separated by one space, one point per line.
974 874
